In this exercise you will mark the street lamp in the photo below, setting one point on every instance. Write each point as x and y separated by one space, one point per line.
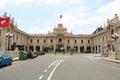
8 35
115 36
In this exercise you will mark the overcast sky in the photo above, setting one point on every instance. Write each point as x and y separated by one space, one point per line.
41 16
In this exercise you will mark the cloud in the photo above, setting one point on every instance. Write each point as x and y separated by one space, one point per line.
80 20
51 1
59 1
98 1
3 3
77 18
6 3
43 28
21 1
110 8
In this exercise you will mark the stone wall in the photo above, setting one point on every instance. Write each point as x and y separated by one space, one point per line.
13 53
113 55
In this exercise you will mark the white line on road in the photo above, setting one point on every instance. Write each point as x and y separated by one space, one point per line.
52 63
54 68
64 56
45 70
40 77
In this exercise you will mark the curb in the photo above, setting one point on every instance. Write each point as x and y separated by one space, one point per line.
15 59
110 60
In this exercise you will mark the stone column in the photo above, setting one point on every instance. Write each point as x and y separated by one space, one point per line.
65 44
54 47
78 48
4 44
41 47
34 48
85 48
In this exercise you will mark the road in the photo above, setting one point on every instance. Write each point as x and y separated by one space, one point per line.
62 67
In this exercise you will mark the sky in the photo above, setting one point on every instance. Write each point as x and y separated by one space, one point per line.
41 16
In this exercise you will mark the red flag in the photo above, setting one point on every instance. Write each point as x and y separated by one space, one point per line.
60 16
4 22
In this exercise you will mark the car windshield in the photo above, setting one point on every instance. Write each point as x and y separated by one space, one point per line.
1 54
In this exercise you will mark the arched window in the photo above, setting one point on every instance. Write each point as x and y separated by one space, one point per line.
81 41
75 41
51 40
60 40
112 32
88 41
37 40
68 41
44 40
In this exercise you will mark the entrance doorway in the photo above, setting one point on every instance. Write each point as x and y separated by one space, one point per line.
60 48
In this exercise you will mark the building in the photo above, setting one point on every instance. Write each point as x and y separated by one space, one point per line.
60 38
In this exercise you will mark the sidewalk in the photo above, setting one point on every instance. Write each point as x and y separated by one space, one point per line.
106 58
15 59
111 60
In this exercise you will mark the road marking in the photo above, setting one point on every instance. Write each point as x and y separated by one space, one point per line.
45 70
52 63
64 56
60 61
40 77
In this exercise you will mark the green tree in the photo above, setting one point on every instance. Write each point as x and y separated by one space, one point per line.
47 48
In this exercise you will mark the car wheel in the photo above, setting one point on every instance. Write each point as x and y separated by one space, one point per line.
10 63
0 65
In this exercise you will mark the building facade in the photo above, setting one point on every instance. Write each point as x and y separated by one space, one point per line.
60 38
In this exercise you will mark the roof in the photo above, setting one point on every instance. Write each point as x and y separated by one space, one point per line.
98 30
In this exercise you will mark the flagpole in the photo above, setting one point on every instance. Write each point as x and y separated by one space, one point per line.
60 18
9 23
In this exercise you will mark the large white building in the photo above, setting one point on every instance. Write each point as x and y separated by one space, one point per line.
60 38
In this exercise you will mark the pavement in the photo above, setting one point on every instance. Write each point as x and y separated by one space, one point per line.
62 67
95 55
111 60
107 58
15 59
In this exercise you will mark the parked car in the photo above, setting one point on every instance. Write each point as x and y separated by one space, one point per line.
31 54
41 53
5 59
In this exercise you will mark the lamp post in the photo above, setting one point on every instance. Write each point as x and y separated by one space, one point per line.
8 35
115 36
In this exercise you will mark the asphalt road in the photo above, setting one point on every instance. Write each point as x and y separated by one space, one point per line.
62 67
